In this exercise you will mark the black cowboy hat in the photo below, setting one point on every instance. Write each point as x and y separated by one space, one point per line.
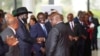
22 10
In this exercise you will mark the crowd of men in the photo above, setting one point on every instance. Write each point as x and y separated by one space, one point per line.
47 35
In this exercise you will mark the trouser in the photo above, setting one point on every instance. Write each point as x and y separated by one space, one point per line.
80 48
2 54
94 43
87 51
25 50
73 49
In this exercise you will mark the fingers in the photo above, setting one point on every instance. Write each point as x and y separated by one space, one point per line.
11 41
14 44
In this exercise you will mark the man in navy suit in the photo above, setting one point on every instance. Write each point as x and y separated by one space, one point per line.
48 24
76 19
39 32
25 40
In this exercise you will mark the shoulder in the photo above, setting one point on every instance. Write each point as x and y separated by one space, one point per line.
35 26
67 23
54 30
6 32
61 26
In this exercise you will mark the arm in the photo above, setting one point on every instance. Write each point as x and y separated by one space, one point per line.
33 32
51 41
25 36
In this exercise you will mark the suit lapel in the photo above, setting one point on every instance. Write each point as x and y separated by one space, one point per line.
70 27
41 29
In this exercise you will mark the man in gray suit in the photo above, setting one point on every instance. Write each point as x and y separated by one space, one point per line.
57 41
8 36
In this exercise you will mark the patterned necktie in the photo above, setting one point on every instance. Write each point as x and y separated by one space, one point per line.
44 29
72 25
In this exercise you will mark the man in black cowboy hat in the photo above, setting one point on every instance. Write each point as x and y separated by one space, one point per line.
25 41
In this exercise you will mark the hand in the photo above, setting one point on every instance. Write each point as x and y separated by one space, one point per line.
70 37
40 39
43 50
76 38
12 41
84 37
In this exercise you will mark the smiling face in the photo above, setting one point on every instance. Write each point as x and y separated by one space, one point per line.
41 18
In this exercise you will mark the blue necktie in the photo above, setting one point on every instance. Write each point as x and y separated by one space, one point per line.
44 29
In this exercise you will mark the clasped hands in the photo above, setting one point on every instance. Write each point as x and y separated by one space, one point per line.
73 38
11 41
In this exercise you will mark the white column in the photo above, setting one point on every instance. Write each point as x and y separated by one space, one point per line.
79 5
29 4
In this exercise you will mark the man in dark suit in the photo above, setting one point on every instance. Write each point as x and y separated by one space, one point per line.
57 41
74 33
76 19
39 31
8 36
84 36
48 24
95 21
25 40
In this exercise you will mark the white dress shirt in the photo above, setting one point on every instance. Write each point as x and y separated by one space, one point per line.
12 30
71 24
44 28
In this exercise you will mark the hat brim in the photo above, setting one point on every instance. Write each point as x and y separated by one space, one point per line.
23 13
29 12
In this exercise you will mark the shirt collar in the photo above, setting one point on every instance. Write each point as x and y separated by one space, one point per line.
71 21
21 20
12 30
81 22
41 24
59 22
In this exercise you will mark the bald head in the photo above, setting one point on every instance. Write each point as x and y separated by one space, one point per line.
11 21
55 18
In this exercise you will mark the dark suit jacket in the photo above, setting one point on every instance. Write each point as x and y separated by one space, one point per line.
57 41
37 31
13 51
76 20
76 32
4 47
48 25
83 30
96 22
23 35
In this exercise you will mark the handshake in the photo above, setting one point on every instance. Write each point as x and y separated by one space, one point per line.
73 38
11 41
40 39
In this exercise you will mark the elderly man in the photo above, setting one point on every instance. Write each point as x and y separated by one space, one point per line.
9 36
57 41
